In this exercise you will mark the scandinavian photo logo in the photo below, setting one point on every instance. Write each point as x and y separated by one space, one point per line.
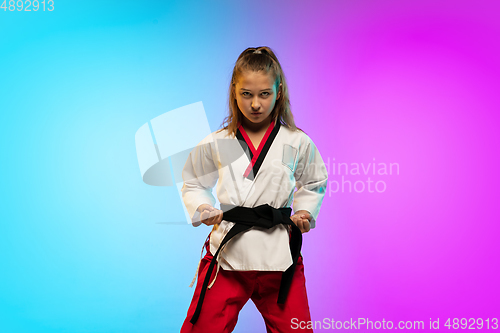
360 177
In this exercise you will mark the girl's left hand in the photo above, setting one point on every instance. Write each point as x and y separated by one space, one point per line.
302 220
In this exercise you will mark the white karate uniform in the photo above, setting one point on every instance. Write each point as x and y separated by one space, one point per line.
292 160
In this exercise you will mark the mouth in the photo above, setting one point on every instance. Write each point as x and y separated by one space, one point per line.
256 113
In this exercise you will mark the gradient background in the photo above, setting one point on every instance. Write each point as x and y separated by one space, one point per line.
85 245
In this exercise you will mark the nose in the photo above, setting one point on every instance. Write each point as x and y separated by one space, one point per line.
255 104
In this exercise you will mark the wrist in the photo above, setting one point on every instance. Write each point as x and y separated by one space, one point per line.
203 207
304 213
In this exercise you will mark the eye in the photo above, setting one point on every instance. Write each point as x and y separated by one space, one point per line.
245 93
266 93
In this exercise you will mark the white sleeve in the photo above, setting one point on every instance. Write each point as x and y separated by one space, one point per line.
200 175
311 179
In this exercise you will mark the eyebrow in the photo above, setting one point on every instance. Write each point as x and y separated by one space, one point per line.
261 90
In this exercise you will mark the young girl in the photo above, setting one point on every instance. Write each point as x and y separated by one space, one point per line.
258 158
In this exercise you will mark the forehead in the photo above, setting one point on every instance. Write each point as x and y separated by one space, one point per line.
252 79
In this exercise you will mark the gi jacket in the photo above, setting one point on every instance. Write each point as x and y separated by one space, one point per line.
251 176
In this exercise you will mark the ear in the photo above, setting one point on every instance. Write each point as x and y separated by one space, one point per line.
279 91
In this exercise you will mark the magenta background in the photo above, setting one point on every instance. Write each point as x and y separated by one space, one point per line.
414 83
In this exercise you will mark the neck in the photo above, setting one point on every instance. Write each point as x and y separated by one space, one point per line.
260 127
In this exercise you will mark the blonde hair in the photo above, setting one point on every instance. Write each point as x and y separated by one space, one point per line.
259 59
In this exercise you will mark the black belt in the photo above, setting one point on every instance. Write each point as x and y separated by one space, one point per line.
244 218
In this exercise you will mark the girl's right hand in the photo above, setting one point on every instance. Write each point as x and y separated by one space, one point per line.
209 215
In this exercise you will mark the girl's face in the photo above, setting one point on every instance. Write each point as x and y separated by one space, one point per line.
256 95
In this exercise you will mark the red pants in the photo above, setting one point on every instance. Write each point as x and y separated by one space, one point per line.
231 291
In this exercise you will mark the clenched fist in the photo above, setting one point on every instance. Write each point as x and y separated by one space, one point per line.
302 219
209 215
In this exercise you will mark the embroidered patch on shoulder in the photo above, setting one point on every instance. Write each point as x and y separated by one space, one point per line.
289 156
